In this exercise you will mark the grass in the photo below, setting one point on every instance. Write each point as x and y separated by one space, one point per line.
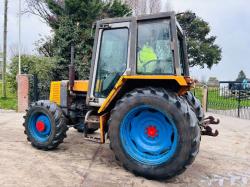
10 102
217 102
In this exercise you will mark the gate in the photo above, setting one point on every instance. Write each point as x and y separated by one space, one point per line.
230 98
39 90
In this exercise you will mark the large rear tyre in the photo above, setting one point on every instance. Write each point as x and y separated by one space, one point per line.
45 125
154 133
195 105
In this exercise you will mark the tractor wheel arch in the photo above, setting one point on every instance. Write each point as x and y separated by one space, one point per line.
129 83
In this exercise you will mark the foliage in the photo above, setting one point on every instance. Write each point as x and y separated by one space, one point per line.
140 7
71 21
201 46
10 102
241 76
34 65
116 8
45 46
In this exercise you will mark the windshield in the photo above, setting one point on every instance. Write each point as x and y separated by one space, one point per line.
154 54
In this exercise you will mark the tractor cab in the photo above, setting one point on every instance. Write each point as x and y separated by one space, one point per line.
152 45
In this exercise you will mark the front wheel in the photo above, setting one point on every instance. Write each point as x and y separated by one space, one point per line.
154 133
45 125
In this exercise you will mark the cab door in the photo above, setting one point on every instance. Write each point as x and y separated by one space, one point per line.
111 60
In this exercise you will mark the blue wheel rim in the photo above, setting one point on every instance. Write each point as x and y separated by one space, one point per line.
148 136
39 127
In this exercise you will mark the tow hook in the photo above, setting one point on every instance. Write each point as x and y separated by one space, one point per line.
206 129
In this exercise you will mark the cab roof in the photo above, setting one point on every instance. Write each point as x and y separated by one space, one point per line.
145 17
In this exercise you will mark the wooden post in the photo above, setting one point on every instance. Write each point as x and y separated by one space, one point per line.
204 98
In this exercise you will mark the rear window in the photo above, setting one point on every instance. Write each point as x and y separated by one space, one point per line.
154 54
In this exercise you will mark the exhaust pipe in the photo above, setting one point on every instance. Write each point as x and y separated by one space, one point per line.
72 69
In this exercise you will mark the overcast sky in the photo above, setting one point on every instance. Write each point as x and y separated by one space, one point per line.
229 21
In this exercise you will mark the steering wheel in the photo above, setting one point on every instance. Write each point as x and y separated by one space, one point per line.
145 64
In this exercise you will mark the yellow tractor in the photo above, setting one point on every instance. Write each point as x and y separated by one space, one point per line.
137 96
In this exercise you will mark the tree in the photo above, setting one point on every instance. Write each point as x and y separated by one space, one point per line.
154 6
45 46
138 6
241 76
71 21
141 7
34 65
202 50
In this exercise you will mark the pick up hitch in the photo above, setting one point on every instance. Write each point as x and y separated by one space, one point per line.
206 129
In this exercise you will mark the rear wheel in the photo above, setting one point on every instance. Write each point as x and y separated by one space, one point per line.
195 105
45 125
153 133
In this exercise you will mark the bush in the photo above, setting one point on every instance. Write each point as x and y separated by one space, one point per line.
42 67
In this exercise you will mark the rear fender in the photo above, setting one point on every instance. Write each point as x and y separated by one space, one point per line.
179 84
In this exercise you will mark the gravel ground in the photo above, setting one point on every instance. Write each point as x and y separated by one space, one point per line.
222 161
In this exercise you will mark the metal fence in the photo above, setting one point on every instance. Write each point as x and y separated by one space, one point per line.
225 101
230 98
39 90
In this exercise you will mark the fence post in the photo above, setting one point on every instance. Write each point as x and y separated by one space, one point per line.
23 92
204 98
239 94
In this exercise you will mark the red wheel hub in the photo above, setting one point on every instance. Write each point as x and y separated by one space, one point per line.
151 131
40 126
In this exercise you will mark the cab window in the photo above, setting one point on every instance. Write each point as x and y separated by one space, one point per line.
154 54
112 60
181 54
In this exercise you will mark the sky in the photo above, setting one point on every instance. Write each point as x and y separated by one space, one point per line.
32 28
229 21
